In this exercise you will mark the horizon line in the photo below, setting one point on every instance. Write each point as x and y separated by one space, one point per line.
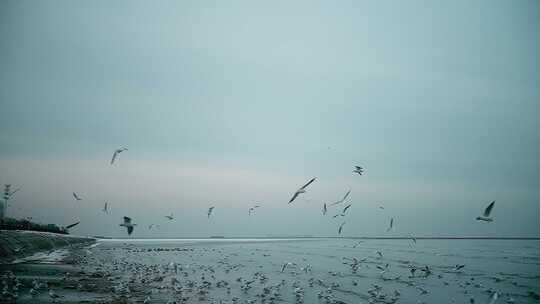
335 237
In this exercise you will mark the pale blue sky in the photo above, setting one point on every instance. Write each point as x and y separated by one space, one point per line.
227 103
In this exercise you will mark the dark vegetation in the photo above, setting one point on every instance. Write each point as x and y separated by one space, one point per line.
24 224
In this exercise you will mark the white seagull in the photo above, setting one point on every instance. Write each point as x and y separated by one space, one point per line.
324 209
343 199
170 217
116 152
359 170
78 198
485 217
210 211
252 209
127 223
493 298
301 190
286 264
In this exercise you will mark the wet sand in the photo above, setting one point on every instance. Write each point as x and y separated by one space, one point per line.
250 271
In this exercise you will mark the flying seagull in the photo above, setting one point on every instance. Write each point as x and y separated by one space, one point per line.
341 227
324 209
210 211
357 243
286 264
485 217
127 223
71 226
358 169
346 208
77 197
391 224
152 225
301 190
170 217
106 208
116 152
343 199
381 207
252 209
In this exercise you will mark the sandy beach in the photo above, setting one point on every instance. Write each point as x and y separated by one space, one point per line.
252 271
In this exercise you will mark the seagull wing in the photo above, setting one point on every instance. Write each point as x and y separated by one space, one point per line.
341 227
114 156
308 183
72 225
488 209
15 191
346 195
294 197
345 209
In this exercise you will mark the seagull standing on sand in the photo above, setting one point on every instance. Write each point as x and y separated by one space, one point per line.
210 211
341 227
170 217
494 298
359 170
391 224
301 190
78 198
324 209
343 199
115 154
127 223
53 295
485 217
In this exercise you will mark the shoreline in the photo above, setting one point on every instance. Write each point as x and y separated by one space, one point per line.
16 244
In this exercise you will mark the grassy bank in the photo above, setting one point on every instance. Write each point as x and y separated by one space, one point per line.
15 244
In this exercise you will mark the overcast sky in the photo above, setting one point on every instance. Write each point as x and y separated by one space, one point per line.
236 103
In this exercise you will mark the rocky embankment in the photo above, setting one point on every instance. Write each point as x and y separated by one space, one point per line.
16 244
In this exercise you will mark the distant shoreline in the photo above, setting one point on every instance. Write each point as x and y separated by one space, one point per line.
330 237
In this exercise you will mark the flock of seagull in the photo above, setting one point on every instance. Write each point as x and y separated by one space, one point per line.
376 294
129 225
